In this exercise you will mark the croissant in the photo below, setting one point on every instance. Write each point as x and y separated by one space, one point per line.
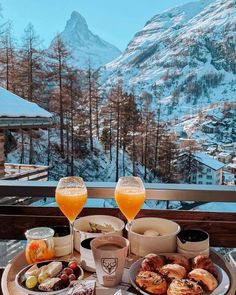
184 287
174 271
152 262
206 279
204 262
151 282
179 259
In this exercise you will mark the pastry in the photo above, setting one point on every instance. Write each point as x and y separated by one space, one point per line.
174 271
51 284
205 278
184 287
83 288
53 268
151 282
152 262
179 259
204 262
32 271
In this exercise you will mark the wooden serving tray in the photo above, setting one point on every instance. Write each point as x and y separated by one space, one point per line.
9 287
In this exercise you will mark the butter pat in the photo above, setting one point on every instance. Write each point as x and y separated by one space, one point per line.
151 233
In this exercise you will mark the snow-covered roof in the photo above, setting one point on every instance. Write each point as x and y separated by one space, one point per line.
208 161
224 154
13 106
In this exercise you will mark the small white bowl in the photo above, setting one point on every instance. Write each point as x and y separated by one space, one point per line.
193 240
82 227
142 245
192 254
62 242
86 255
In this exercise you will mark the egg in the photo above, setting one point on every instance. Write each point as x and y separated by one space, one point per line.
151 233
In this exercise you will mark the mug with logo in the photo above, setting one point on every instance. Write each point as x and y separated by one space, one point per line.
109 254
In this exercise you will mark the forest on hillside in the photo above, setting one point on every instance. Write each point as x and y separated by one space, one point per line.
123 122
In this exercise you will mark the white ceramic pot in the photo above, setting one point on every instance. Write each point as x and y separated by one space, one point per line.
232 257
86 256
82 227
62 242
142 245
193 240
192 254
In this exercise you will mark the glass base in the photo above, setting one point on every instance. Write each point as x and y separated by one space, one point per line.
130 259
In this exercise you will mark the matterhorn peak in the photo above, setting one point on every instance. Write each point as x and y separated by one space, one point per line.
76 22
86 46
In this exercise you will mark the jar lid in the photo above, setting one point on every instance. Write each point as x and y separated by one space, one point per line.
38 233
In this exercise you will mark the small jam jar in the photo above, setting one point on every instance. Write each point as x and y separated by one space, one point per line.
40 245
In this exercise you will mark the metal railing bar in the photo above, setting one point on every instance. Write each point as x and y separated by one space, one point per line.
104 190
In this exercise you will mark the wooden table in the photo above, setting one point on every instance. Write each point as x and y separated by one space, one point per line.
9 287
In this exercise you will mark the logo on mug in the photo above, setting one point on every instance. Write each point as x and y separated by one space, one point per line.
109 265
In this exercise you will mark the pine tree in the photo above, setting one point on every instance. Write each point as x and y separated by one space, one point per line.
115 100
74 114
91 92
105 138
59 56
168 159
187 163
146 112
8 59
31 73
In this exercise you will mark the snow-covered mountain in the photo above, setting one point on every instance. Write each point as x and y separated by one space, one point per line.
187 55
85 46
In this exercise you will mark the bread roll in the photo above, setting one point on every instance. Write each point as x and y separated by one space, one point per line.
184 287
206 279
179 259
152 262
174 271
204 262
151 282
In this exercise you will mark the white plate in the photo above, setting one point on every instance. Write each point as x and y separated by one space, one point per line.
110 291
104 291
223 279
20 285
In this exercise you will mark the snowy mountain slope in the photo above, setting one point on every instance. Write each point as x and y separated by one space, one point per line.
93 166
86 47
189 54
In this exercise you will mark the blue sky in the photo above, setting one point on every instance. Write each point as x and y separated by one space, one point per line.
116 21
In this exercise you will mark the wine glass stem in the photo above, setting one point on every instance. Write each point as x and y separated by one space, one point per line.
72 238
129 237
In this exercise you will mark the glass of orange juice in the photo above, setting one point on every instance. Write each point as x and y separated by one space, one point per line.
130 196
71 196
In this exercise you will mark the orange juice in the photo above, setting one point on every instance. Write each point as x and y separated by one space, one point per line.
129 201
71 201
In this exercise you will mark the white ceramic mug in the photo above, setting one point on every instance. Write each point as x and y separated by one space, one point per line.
109 254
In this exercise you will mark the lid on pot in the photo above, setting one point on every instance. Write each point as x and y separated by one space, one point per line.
39 233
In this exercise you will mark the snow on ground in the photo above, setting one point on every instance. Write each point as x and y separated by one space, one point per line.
11 105
217 207
149 204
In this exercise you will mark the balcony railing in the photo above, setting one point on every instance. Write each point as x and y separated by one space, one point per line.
221 226
25 172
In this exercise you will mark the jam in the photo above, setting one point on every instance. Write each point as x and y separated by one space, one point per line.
40 245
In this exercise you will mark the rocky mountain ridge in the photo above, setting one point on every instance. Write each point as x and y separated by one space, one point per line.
185 57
